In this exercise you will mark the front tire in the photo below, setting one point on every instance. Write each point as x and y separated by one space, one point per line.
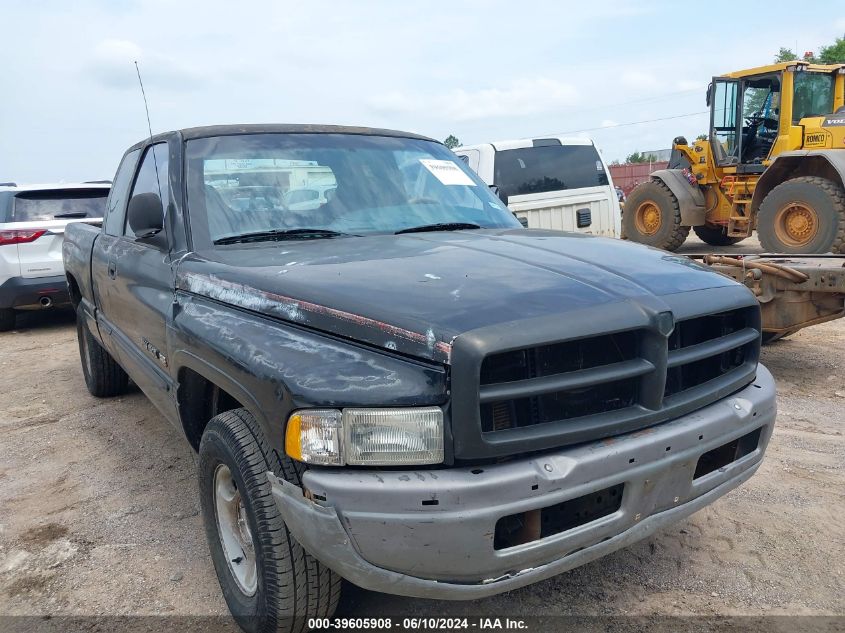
803 215
715 236
7 319
244 528
653 217
103 376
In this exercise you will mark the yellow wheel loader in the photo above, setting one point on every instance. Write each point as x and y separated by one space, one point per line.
774 161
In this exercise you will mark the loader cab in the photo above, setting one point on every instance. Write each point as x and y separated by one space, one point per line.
744 120
754 113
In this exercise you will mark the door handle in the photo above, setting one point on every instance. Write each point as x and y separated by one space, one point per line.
112 270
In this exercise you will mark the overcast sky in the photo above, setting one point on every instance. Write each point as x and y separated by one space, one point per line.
482 70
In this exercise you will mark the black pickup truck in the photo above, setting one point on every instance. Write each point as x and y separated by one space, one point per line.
388 379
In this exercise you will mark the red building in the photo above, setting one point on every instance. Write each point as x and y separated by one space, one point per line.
630 175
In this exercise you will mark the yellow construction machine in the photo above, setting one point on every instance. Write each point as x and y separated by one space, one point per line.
774 161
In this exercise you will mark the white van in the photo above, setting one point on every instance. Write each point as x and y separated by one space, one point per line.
552 182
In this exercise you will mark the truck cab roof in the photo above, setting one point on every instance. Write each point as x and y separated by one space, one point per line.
206 131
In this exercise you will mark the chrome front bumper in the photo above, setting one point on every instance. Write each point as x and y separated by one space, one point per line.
430 533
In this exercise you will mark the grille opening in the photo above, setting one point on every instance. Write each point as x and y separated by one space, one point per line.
726 453
561 405
698 372
559 358
706 328
533 525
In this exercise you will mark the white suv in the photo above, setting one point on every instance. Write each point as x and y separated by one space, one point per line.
32 226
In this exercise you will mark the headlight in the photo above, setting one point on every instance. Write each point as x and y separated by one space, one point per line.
366 437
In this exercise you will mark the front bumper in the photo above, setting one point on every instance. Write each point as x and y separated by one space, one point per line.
28 293
382 530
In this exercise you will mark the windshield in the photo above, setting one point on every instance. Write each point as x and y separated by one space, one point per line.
33 206
330 184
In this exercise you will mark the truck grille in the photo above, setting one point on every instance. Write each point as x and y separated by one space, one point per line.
560 381
622 372
704 348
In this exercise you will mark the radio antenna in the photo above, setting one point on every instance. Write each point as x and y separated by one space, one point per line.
149 127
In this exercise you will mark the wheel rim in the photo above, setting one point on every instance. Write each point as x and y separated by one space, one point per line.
233 529
647 218
796 224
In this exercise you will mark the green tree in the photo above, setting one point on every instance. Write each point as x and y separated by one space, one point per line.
639 157
452 141
785 55
833 54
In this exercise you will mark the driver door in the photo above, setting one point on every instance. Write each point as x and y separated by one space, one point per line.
725 122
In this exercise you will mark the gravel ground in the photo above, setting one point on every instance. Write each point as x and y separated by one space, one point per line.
99 511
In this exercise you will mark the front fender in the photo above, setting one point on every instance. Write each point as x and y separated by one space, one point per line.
825 163
273 367
690 198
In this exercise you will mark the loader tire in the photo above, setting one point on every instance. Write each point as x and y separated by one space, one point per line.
715 236
803 215
653 217
103 376
287 586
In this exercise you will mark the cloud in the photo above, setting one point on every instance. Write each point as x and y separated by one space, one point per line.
111 64
638 79
689 84
520 98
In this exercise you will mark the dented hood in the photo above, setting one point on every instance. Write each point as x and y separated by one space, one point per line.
415 293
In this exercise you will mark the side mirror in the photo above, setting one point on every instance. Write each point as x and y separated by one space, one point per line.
709 93
145 215
501 195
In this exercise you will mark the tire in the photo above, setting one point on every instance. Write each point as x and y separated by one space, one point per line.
103 376
816 207
290 586
653 217
715 236
7 319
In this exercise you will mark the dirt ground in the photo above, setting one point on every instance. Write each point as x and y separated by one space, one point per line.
99 509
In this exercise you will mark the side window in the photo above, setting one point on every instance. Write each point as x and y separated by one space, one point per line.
116 205
148 181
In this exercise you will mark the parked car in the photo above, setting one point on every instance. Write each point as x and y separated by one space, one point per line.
553 183
409 391
32 225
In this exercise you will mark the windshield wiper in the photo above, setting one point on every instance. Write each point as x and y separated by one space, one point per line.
276 234
72 214
443 226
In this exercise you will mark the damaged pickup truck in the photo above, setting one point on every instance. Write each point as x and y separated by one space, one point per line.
389 380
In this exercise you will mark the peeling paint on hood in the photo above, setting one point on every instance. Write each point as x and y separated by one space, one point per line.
416 293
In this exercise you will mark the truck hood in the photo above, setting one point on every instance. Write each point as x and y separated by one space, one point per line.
415 293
